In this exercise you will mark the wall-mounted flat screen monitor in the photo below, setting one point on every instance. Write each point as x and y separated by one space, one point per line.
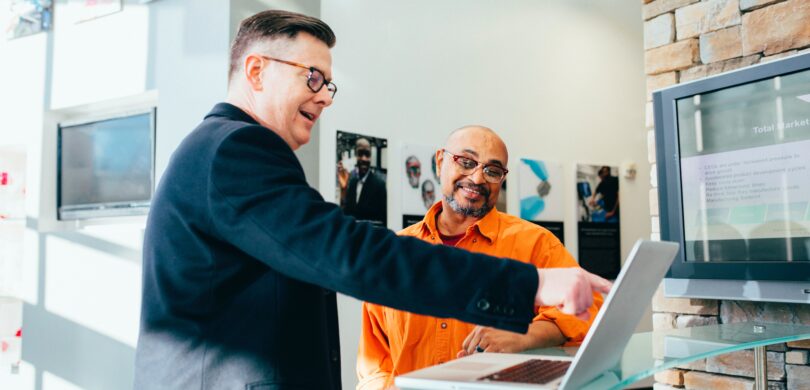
106 166
734 182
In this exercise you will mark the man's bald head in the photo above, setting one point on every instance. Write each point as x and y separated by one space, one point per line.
468 192
465 137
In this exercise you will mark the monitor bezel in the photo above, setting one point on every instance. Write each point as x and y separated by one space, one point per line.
134 207
668 166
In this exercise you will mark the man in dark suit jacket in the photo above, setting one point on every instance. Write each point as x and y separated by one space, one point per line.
370 203
241 256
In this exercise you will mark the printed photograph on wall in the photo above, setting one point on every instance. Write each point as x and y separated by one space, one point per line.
420 182
94 9
361 177
27 17
541 194
598 216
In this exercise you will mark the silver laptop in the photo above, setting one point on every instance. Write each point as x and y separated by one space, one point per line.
601 350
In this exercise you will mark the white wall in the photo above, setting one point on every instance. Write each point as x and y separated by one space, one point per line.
558 80
82 286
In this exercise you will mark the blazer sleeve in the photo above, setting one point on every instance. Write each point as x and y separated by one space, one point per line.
259 201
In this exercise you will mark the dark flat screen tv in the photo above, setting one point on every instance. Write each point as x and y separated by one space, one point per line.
733 155
105 167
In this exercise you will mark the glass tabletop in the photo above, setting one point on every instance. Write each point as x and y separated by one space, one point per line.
651 352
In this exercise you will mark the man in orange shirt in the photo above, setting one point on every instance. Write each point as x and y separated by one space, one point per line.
471 168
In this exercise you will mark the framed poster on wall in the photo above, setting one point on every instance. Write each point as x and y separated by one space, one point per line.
540 190
598 232
361 177
420 182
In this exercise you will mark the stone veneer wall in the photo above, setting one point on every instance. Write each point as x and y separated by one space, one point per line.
690 39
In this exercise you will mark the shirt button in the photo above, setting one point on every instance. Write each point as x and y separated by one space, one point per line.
444 325
483 304
475 240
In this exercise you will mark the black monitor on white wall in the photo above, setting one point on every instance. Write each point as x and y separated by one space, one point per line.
105 166
733 155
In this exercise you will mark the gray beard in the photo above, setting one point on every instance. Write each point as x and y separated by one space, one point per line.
467 211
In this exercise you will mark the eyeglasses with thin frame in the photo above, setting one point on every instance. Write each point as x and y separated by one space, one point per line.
493 173
315 79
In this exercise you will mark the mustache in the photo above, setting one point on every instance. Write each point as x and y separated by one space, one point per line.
480 188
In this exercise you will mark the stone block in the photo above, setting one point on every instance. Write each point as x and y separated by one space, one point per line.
750 5
796 356
683 305
649 117
651 152
798 377
690 321
741 363
701 71
697 365
745 311
654 202
663 321
706 16
672 377
720 45
781 347
760 36
655 225
805 344
689 21
655 8
721 14
659 81
703 380
778 56
675 56
653 176
659 31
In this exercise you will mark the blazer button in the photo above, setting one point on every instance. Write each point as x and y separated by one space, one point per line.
483 304
510 310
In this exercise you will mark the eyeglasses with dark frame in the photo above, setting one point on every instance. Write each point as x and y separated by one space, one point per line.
315 79
493 173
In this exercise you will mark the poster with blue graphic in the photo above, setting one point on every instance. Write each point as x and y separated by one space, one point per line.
541 194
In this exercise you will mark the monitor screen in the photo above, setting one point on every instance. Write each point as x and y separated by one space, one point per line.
106 167
745 171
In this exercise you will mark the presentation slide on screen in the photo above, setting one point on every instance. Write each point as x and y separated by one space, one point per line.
761 192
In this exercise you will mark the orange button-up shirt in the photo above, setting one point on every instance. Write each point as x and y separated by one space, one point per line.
395 342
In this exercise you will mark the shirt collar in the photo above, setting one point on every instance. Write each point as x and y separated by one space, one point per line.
487 226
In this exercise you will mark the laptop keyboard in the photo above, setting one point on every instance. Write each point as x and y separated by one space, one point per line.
536 371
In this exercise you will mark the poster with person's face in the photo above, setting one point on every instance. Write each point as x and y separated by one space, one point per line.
28 17
421 187
541 194
598 232
597 193
361 177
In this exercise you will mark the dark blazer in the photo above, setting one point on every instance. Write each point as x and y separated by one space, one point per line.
372 203
240 257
